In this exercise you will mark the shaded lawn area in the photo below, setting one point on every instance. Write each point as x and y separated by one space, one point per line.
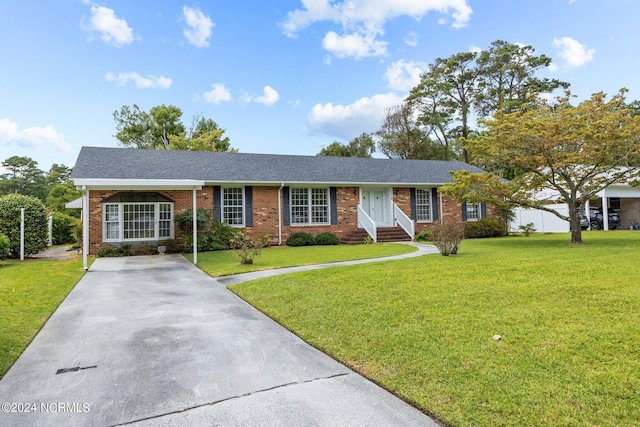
224 263
568 315
30 291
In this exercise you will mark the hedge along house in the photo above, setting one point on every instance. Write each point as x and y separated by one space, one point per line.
132 196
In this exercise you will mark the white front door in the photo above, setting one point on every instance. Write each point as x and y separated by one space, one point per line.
373 204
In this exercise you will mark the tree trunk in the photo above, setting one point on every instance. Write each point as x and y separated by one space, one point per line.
576 231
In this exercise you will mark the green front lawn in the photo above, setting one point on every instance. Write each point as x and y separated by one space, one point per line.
224 263
30 291
568 317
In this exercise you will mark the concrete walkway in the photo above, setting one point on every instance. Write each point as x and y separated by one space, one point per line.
149 341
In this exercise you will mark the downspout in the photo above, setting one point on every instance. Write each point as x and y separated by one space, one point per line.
441 210
195 229
280 214
85 226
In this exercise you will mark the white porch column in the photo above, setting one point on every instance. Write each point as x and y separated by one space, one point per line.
605 213
587 213
85 227
195 229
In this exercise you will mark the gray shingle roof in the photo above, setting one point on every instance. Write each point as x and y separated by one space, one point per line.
129 163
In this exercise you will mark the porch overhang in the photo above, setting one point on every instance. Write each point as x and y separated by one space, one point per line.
138 184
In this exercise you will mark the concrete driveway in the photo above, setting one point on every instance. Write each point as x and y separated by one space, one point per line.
153 340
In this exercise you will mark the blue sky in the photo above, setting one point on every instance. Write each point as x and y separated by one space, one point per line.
281 76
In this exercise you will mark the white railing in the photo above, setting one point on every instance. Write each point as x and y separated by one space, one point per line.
401 219
367 223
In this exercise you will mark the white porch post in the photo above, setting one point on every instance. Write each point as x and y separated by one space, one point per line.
605 212
85 227
195 229
587 212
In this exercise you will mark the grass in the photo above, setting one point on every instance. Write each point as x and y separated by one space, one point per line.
568 317
30 291
224 263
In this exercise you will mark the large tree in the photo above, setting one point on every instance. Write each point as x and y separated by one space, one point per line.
23 177
162 129
453 89
401 137
360 146
444 99
565 154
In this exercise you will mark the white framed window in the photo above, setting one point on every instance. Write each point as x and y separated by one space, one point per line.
131 221
233 206
474 211
423 205
309 206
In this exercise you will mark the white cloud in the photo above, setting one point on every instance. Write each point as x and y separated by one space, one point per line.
36 137
411 39
404 75
198 28
122 79
348 121
363 20
113 30
270 96
219 93
573 52
354 45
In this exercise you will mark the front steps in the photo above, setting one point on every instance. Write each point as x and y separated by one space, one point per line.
385 234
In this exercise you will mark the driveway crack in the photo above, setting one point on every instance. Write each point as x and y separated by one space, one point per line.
215 402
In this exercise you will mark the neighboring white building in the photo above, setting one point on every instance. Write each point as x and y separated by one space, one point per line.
620 198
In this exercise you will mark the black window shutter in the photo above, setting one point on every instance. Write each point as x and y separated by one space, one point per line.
217 203
464 211
248 206
483 210
434 203
333 201
414 208
287 208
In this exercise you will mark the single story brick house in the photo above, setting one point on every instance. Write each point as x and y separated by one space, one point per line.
132 196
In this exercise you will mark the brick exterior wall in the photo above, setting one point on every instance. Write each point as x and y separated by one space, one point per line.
265 212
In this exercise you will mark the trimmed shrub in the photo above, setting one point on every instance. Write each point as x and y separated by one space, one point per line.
62 228
423 236
36 228
301 239
184 221
4 246
124 250
447 236
484 227
327 239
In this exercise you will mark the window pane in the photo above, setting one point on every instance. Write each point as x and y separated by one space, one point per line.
112 221
164 220
473 211
232 206
138 221
423 204
299 206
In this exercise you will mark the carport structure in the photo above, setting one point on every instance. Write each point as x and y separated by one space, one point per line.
625 199
89 185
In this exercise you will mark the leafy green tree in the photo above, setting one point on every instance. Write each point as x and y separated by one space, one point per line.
575 151
507 77
452 89
23 177
36 230
360 146
162 129
61 194
58 174
444 99
401 137
203 135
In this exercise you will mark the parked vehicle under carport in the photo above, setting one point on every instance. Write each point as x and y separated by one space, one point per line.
596 218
